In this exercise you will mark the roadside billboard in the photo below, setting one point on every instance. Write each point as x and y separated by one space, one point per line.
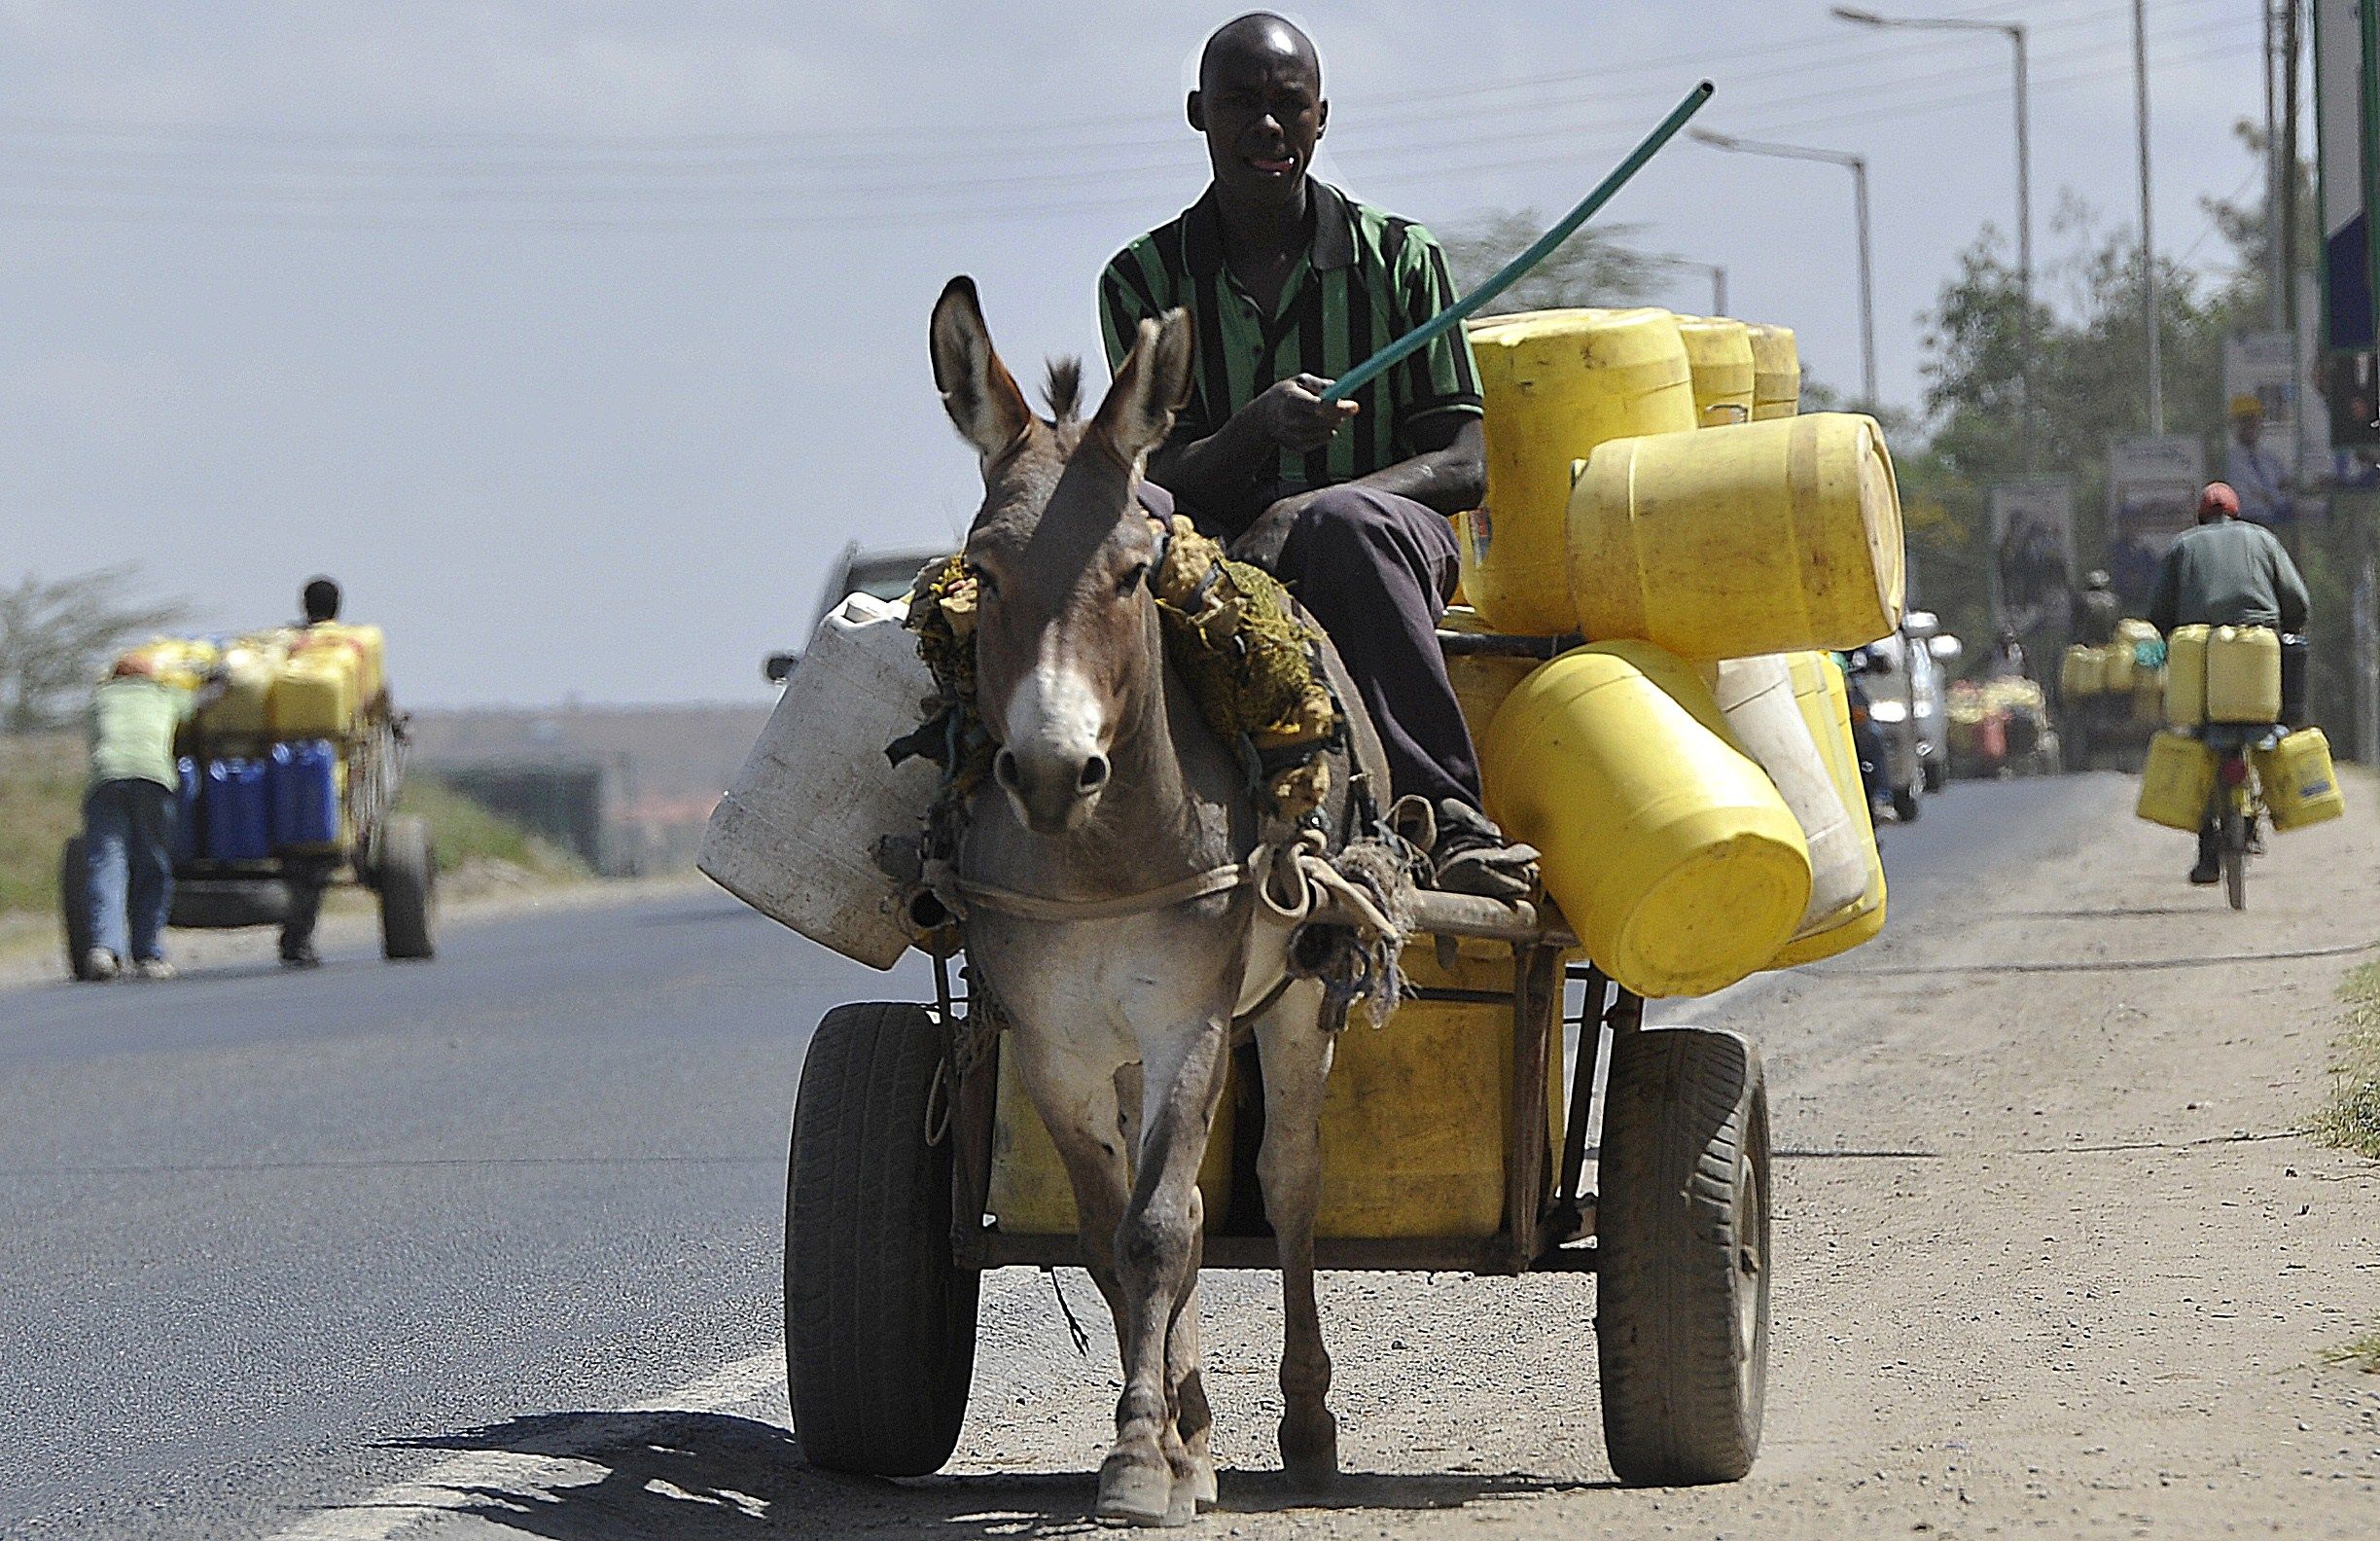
2032 551
2154 484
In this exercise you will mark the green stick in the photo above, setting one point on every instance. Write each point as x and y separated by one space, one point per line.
1446 320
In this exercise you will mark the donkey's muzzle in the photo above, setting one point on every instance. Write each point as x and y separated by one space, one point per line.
1053 791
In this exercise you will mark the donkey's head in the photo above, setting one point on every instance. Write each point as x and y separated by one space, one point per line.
1067 646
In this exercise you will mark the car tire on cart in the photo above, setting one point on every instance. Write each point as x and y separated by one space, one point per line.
407 875
880 1322
74 903
1682 1238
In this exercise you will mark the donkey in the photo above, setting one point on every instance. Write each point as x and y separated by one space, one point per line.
1109 785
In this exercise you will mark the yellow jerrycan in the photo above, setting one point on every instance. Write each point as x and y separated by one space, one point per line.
1030 1192
1415 1117
1776 371
1768 537
1671 853
2185 676
1718 351
1557 384
1824 699
2300 787
2082 672
2176 780
2244 675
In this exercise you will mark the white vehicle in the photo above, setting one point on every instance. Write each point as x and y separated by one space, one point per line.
884 573
1908 701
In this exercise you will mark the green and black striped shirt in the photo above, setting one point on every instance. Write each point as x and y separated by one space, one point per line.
1369 279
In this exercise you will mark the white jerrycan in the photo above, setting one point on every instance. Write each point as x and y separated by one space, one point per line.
797 836
1755 695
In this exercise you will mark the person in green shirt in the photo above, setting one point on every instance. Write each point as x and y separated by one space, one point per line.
1289 282
2225 572
129 816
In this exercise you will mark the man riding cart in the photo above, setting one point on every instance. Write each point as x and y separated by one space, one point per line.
1285 276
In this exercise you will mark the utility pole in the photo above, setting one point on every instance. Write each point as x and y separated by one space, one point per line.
2148 245
2273 172
2285 247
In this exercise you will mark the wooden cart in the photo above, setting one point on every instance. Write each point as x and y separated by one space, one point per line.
887 1234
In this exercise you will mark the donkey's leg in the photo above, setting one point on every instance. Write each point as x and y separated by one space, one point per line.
1155 1248
1295 1054
1190 1448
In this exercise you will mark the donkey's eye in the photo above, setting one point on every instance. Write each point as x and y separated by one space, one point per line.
1135 576
989 585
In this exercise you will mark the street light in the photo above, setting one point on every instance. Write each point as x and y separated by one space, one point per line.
2014 32
1858 166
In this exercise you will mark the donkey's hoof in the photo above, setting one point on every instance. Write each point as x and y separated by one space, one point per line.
1140 1493
1309 1450
1200 1483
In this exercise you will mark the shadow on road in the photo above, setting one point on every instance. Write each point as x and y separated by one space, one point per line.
715 1477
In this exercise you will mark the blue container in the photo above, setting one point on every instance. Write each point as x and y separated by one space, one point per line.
239 810
185 843
304 794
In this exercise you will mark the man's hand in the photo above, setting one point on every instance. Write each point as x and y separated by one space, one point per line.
1293 415
1261 543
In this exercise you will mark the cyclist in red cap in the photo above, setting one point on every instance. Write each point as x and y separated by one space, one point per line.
2225 572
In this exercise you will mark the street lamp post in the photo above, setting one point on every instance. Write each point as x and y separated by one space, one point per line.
1858 166
2014 32
2148 245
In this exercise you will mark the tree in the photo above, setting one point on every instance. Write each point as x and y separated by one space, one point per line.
54 637
1596 266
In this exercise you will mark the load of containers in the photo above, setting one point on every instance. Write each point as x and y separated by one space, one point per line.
1686 768
2238 677
264 763
1652 491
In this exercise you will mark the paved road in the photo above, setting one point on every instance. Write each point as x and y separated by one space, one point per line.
265 1239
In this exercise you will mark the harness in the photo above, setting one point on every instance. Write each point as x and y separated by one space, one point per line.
1255 666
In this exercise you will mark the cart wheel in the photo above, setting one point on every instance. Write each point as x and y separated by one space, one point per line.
407 876
879 1324
1905 805
74 903
1682 1296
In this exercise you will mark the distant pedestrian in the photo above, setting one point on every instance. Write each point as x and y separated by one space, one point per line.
2256 474
307 873
2097 613
129 817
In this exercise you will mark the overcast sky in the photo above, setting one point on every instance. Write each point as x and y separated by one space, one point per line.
578 337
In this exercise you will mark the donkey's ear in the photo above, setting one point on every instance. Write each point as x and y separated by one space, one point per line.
977 390
1152 386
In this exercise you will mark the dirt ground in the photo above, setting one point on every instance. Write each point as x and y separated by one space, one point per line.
2053 1257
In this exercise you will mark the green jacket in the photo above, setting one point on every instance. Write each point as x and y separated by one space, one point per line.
131 724
2228 573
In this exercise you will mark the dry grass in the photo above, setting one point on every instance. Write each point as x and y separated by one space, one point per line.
2350 1119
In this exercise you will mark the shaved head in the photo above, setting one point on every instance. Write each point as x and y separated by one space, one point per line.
1260 38
1259 105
